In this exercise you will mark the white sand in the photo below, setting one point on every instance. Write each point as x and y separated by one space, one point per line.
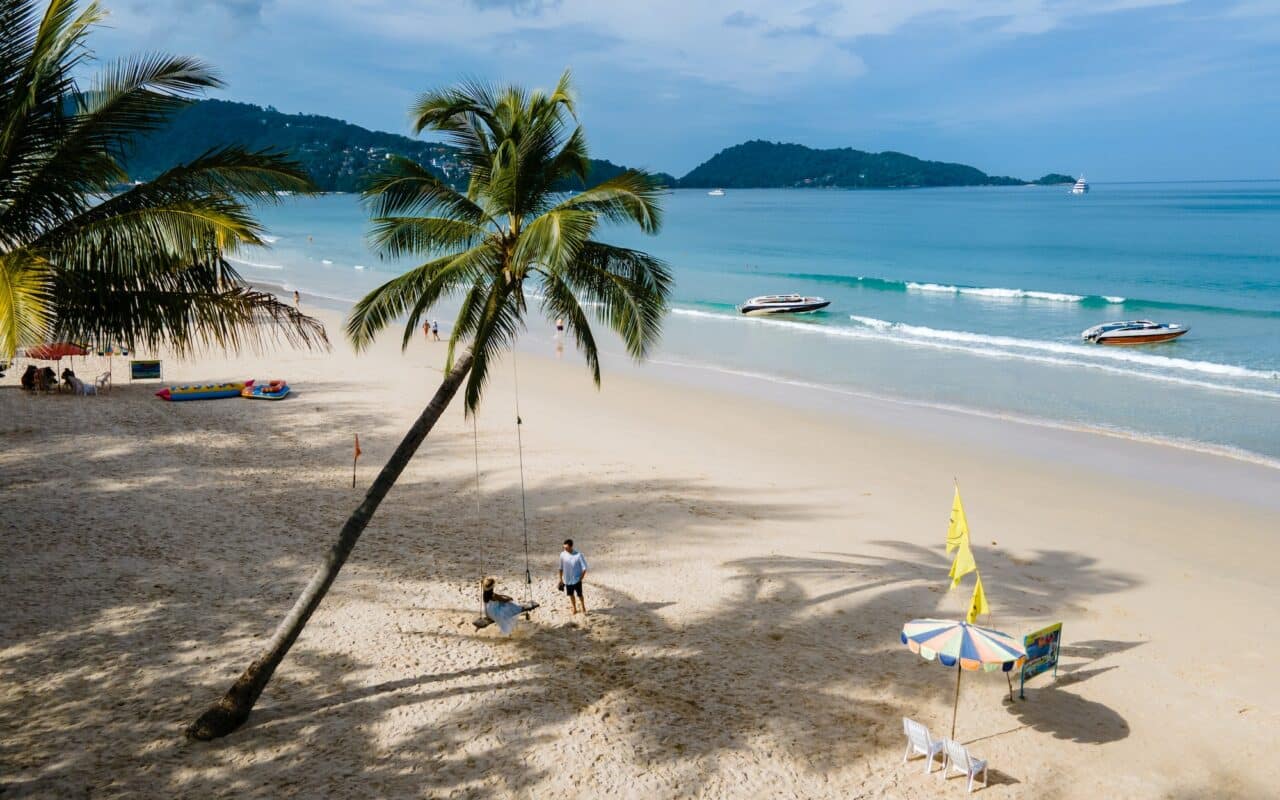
752 563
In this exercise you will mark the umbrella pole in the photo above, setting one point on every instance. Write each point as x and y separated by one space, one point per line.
956 704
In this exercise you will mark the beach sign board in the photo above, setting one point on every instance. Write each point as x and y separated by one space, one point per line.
1042 654
144 371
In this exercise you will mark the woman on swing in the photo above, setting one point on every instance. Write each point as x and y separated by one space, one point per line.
501 609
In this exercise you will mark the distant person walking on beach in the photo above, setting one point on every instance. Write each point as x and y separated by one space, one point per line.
426 330
573 570
559 327
297 299
435 330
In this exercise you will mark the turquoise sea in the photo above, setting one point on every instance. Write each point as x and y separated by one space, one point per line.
963 298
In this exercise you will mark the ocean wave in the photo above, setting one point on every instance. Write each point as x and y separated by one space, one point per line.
995 293
1003 347
259 265
1061 348
270 239
325 261
1018 295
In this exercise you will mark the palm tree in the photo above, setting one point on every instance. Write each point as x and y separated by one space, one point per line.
143 267
510 228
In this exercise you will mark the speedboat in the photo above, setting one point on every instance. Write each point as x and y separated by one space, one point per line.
1081 186
716 192
1140 331
783 304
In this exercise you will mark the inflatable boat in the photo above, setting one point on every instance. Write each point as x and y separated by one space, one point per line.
275 390
212 391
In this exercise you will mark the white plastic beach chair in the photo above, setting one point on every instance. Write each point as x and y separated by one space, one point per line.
919 742
960 760
102 384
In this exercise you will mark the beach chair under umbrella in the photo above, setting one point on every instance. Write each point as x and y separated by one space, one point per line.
963 646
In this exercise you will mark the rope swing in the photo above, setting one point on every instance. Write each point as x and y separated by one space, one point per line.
484 621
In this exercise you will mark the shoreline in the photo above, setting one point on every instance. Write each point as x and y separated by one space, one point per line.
744 380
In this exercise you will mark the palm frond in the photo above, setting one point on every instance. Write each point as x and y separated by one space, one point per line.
26 301
406 187
629 197
627 288
553 239
394 237
186 308
415 292
499 323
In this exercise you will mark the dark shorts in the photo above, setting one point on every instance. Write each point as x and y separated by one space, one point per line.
573 588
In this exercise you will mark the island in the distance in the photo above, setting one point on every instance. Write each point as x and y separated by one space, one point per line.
771 165
340 156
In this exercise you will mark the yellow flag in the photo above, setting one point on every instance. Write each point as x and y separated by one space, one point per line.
958 530
963 563
978 603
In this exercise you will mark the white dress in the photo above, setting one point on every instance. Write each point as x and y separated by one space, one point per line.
506 614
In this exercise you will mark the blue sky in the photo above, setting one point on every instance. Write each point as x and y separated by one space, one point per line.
1116 89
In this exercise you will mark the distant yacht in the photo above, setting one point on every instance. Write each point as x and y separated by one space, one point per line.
1081 186
716 192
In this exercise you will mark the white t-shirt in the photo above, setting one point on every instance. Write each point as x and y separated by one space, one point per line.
572 566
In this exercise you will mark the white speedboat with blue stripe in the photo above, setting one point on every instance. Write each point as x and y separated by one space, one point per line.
783 304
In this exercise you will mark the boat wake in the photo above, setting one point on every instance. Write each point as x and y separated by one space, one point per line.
1180 371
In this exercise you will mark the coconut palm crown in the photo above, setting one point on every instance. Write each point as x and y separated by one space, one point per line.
513 225
80 259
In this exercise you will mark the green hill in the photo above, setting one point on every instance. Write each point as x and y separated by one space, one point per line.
338 155
761 164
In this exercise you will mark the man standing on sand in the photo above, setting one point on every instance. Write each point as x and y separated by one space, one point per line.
573 569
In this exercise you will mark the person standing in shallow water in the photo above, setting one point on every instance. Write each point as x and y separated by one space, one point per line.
573 570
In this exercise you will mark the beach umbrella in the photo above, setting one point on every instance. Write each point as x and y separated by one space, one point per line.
55 351
965 647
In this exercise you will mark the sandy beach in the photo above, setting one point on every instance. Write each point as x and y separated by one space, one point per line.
754 553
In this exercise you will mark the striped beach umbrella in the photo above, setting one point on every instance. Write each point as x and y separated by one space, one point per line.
964 646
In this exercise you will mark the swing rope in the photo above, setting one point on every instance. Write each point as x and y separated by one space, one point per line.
524 510
475 443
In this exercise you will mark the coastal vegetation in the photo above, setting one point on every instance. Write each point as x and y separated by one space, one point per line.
509 235
761 164
340 156
144 266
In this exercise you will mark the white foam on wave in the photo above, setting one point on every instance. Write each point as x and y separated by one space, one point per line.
325 261
1113 298
1003 347
1078 351
270 239
248 263
994 293
359 266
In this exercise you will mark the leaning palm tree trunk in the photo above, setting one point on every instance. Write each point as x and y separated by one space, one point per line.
233 708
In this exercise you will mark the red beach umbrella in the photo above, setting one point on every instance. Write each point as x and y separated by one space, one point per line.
55 351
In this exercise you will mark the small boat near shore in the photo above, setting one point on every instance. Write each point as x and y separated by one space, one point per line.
273 390
783 304
1139 331
716 193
